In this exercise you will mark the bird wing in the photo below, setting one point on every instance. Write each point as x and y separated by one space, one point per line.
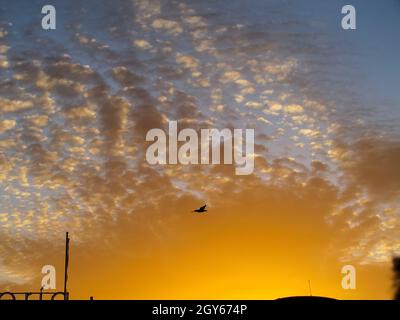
203 207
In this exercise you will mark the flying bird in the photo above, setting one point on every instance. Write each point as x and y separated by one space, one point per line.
201 209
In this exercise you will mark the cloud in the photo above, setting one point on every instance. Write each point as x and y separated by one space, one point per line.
142 44
253 104
293 108
372 163
187 61
229 76
7 125
369 197
170 26
309 133
10 277
40 121
14 105
80 112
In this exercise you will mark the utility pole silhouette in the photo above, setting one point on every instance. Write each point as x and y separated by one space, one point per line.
66 266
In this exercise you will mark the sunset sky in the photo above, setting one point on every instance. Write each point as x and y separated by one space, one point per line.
76 104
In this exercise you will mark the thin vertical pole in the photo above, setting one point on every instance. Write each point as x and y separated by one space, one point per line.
309 287
66 266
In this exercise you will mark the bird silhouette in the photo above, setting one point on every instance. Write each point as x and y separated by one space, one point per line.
201 209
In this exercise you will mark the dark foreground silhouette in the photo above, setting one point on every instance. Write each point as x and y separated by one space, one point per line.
305 299
396 280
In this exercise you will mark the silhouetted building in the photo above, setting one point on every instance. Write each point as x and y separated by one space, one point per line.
305 299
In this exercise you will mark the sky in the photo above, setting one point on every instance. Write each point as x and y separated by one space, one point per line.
76 104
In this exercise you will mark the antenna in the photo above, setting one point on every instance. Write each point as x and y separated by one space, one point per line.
309 287
66 266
